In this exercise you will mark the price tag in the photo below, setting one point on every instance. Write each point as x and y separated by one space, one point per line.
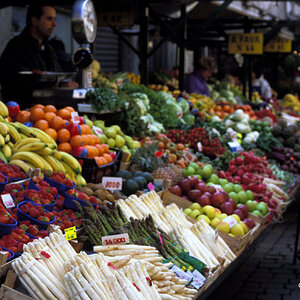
97 130
115 239
151 187
181 274
75 117
231 221
235 147
189 156
70 233
112 183
119 81
8 201
199 145
216 234
79 93
198 280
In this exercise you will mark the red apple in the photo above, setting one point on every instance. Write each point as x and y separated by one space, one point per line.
201 187
208 194
194 194
244 209
176 189
249 222
194 180
228 208
225 194
211 189
239 213
232 201
185 185
217 199
203 200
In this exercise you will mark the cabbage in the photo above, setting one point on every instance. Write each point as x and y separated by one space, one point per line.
238 115
229 123
242 128
251 137
184 106
189 119
217 119
153 126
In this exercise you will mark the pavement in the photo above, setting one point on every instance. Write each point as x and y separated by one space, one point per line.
268 273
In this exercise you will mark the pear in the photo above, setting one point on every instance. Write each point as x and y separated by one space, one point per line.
237 229
135 144
117 129
223 226
102 138
128 139
99 124
125 149
111 143
119 141
110 132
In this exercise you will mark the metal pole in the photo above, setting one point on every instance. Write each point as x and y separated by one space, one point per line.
182 47
250 77
245 67
143 42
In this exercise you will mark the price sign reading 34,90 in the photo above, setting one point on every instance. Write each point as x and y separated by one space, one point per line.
112 183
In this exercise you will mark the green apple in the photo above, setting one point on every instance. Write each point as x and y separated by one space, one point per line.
194 165
245 227
242 197
206 171
234 196
237 229
222 216
237 188
214 222
209 211
195 206
228 187
187 211
250 195
214 179
198 176
204 217
195 213
235 216
251 205
263 208
223 226
223 181
256 213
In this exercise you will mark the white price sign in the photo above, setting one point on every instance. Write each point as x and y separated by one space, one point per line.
79 93
235 146
112 183
97 130
8 201
115 239
75 117
189 156
231 221
199 145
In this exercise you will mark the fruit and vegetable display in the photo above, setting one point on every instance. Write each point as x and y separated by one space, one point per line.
157 200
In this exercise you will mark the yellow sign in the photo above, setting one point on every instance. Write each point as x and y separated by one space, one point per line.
278 44
245 43
71 233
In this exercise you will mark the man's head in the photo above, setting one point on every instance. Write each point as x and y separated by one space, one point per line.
207 66
41 20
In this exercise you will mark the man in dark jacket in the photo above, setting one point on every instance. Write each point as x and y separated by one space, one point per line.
28 51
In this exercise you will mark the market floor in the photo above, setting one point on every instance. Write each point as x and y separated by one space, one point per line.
268 273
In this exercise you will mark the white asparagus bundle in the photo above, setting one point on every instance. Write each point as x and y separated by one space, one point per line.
161 222
39 282
175 216
191 243
218 247
128 213
153 201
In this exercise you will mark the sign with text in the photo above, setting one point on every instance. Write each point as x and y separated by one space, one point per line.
112 183
75 117
278 44
97 130
70 233
189 156
245 43
8 201
115 239
231 221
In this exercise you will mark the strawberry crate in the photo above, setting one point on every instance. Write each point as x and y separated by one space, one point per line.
94 173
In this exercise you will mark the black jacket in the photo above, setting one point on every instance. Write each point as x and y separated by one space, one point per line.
23 53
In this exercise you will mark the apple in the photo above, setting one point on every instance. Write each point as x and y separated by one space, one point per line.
217 199
209 211
237 188
195 213
204 217
194 180
195 206
242 197
228 187
222 216
233 203
218 212
208 194
223 181
185 185
211 189
263 208
239 213
250 195
187 211
194 194
201 186
226 197
257 213
237 229
223 226
244 209
245 227
214 222
251 205
214 179
176 190
234 196
228 208
203 200
249 222
236 217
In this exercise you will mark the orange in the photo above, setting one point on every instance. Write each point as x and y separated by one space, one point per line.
49 116
23 116
95 139
66 147
92 151
100 160
85 129
76 141
85 139
41 124
52 132
108 158
92 141
64 114
37 106
69 108
227 108
50 108
37 114
57 123
105 148
218 108
63 135
100 149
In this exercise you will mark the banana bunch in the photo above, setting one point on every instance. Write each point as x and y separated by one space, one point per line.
291 101
3 111
29 147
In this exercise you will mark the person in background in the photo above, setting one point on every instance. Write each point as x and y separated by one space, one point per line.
196 82
29 51
260 84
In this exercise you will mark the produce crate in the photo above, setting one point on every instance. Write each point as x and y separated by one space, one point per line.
92 173
169 198
260 219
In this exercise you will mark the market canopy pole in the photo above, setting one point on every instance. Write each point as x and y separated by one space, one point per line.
182 47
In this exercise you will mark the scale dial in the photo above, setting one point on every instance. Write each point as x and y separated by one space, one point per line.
84 21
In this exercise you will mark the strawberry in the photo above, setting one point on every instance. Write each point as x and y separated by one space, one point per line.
33 212
43 219
33 230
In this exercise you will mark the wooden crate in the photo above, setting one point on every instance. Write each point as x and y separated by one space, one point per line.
169 198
